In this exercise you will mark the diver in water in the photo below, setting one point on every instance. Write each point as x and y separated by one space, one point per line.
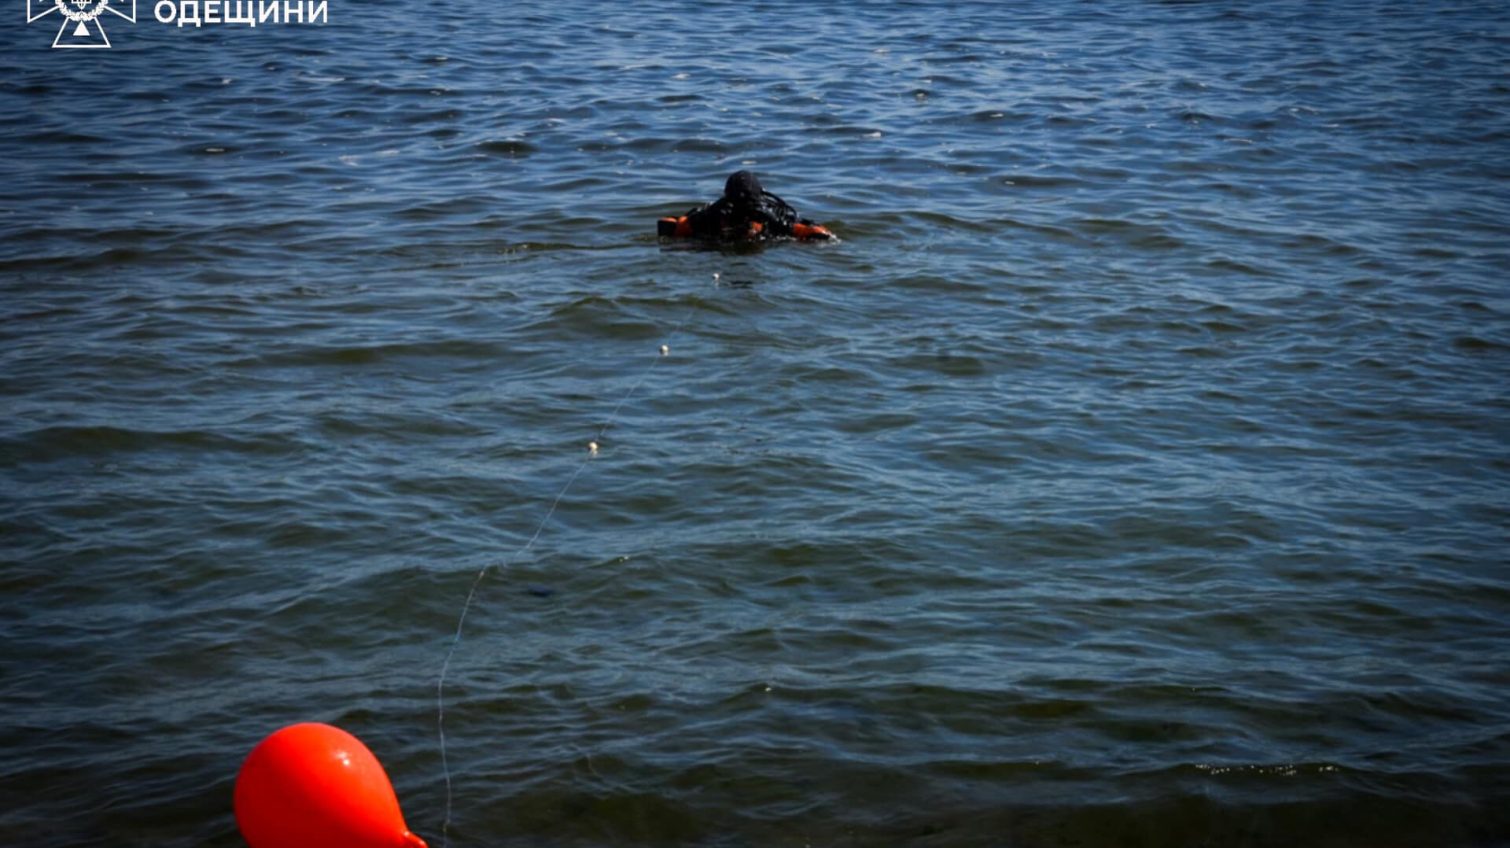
746 212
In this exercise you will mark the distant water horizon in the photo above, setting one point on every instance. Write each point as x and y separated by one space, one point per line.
1132 470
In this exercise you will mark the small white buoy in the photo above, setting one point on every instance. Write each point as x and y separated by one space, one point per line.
715 278
592 448
665 350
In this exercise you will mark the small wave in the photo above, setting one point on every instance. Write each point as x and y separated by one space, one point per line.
56 443
1019 181
511 147
338 355
1478 344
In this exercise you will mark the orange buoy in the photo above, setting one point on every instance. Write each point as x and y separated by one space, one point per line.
316 786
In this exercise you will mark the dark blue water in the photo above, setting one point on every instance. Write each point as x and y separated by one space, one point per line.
1134 471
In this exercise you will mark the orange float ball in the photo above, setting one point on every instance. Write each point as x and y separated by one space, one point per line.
316 786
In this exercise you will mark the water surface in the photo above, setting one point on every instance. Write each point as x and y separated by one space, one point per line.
1133 471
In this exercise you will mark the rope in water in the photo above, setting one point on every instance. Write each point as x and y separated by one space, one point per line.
461 620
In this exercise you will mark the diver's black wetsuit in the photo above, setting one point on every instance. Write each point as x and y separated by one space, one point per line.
746 212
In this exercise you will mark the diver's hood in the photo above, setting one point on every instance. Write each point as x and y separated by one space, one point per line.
743 189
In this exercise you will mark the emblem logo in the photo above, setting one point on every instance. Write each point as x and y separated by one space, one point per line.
82 26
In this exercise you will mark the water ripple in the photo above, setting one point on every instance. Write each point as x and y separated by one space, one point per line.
1131 470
